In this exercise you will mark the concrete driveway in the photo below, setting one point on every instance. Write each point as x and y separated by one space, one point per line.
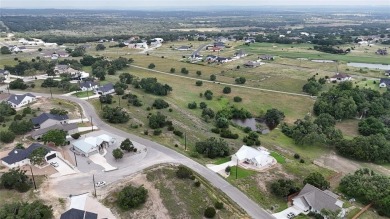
283 214
220 167
63 168
100 160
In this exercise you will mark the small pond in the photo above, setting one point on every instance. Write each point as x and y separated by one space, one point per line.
254 123
368 65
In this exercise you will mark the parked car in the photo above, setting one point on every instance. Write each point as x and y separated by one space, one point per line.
290 215
54 164
100 184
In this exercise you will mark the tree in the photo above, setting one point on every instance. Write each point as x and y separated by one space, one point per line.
184 71
151 66
18 84
192 105
58 111
240 80
127 145
312 87
131 197
117 153
202 105
183 172
37 156
213 148
7 136
208 112
126 78
316 179
107 99
172 70
283 187
199 83
208 94
157 121
15 179
50 82
237 99
273 117
160 104
371 126
150 85
222 122
5 50
56 136
119 91
33 210
100 47
115 115
209 212
227 90
21 127
325 120
199 73
213 77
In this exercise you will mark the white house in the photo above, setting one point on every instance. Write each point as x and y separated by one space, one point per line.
340 77
252 156
240 53
183 48
160 40
20 157
310 198
105 89
47 119
92 145
19 100
384 82
88 86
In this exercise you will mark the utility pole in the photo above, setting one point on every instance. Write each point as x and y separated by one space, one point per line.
87 94
237 168
91 123
8 88
119 98
185 141
94 186
51 94
32 174
75 159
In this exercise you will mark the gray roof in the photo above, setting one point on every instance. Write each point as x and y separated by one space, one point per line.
45 116
240 52
252 63
64 127
78 214
18 98
17 155
385 80
184 47
88 84
318 199
106 88
4 72
340 75
62 67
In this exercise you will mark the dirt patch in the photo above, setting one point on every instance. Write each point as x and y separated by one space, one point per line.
335 162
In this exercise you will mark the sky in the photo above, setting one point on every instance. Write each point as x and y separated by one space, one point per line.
174 4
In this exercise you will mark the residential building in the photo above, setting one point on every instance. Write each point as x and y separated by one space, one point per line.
47 119
70 129
384 82
240 53
105 89
266 57
183 48
20 157
382 52
223 59
253 157
74 213
252 64
211 58
310 198
20 100
387 73
92 145
340 77
88 86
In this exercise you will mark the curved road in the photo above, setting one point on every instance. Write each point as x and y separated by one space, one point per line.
164 154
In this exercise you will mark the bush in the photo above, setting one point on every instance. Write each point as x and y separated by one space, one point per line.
151 65
297 156
146 132
178 133
199 83
131 197
184 71
75 135
209 212
240 80
216 130
302 161
172 70
192 105
157 132
202 105
160 104
197 184
199 73
218 205
227 90
237 99
228 169
247 129
183 172
171 128
213 77
7 136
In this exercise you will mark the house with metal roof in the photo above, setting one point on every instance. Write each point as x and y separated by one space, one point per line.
105 89
311 198
20 157
384 82
70 129
253 157
88 85
47 119
92 145
74 213
20 100
340 77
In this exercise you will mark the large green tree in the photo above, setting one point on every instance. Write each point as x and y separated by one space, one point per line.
15 179
131 197
117 153
213 148
37 156
56 136
273 117
127 145
33 210
317 179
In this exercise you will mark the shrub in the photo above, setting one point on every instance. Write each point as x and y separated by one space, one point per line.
196 183
171 128
213 77
202 105
218 205
209 212
297 156
183 172
146 132
184 71
7 136
75 135
151 65
131 197
160 104
199 73
178 133
247 129
157 132
192 105
237 99
240 80
228 169
227 90
302 161
170 110
172 70
216 130
199 83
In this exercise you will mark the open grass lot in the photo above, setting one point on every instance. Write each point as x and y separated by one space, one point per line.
240 173
279 158
83 94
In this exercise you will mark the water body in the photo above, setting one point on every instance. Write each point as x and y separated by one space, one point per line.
322 61
252 123
368 65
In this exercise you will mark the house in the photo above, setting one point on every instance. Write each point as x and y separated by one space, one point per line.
92 145
221 39
183 48
160 40
340 77
382 52
47 119
266 57
251 64
387 73
3 75
384 82
223 59
105 89
70 129
211 58
195 57
310 198
240 53
74 213
19 100
253 157
60 69
20 157
88 85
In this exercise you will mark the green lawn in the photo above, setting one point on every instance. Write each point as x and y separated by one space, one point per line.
241 173
222 160
83 94
279 158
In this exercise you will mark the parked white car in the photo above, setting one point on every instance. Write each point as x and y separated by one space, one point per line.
100 184
54 164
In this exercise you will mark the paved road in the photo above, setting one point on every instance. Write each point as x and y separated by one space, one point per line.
157 153
199 49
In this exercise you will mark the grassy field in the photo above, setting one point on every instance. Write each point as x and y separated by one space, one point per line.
240 173
83 94
279 158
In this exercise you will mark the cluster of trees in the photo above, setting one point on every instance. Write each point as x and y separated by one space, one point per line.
56 136
150 85
160 104
101 67
18 84
131 197
157 121
240 80
15 179
115 115
213 148
29 68
313 87
35 209
132 99
331 49
368 187
5 50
